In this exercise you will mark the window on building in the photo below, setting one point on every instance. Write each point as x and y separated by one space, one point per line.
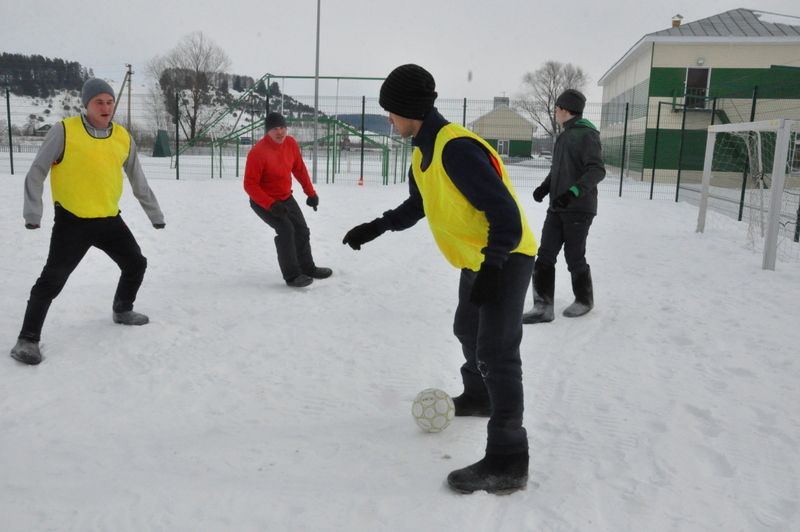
502 147
696 88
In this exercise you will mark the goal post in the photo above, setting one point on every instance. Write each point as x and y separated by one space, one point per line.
763 151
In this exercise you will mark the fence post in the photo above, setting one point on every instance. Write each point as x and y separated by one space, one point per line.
363 112
655 150
464 114
624 141
680 154
747 158
10 138
177 138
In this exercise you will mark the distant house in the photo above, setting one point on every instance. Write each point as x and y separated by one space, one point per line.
506 130
729 67
42 131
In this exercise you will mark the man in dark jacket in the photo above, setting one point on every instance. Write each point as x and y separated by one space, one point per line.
457 181
576 170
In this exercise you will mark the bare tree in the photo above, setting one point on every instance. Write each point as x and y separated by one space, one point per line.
195 69
541 88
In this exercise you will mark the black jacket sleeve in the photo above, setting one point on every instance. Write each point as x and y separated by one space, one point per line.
407 213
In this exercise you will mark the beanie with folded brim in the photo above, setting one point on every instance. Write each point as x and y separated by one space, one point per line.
92 88
571 100
408 91
275 120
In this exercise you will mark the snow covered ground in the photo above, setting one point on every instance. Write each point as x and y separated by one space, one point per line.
247 405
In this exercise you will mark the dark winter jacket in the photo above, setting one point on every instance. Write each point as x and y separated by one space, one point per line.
578 162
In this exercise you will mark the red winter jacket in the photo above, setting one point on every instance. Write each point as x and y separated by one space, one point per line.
269 169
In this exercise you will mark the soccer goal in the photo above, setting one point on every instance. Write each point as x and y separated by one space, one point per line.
754 165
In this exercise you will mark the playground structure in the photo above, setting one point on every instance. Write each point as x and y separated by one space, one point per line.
228 133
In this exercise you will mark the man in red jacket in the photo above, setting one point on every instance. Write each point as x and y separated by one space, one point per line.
268 181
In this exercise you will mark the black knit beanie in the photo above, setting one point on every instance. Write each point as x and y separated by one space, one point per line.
408 91
572 101
275 120
92 87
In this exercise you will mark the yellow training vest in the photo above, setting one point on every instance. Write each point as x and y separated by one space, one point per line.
460 230
88 180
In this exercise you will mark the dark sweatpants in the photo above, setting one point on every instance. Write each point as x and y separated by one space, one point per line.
292 240
70 240
490 337
568 229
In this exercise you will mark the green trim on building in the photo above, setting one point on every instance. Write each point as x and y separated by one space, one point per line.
694 148
667 82
739 83
729 82
516 148
520 148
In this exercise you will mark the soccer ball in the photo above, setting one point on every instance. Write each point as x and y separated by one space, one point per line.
433 410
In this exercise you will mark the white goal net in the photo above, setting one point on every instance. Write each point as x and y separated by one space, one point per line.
752 170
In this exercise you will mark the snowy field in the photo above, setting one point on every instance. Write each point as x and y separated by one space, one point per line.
249 406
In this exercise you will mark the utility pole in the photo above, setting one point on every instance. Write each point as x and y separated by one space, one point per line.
126 79
129 75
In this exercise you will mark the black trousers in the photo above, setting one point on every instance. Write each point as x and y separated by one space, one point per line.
567 229
490 337
70 240
292 240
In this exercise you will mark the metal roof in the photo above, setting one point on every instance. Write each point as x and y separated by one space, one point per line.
737 23
734 26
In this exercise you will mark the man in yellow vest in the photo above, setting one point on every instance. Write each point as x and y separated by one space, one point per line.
458 182
85 156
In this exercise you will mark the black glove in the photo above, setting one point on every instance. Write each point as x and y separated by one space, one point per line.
31 226
313 201
361 234
279 209
160 226
564 199
540 193
486 287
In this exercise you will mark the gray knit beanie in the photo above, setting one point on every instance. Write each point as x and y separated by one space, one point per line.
572 100
92 88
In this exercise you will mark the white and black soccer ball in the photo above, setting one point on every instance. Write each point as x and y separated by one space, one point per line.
433 410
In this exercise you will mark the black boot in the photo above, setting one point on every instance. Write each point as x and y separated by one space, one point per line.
129 317
27 352
496 473
319 273
544 288
584 294
300 281
472 405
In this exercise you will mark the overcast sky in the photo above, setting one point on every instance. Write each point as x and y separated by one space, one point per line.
498 41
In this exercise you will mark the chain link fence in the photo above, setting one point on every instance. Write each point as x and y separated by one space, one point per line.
652 150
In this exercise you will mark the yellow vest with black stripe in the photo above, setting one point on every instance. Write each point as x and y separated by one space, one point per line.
460 230
88 180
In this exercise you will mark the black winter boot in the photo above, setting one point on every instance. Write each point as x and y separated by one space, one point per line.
584 294
544 288
27 352
496 473
300 281
472 405
130 317
319 273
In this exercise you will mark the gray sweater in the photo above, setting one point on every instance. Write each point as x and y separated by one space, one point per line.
52 150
